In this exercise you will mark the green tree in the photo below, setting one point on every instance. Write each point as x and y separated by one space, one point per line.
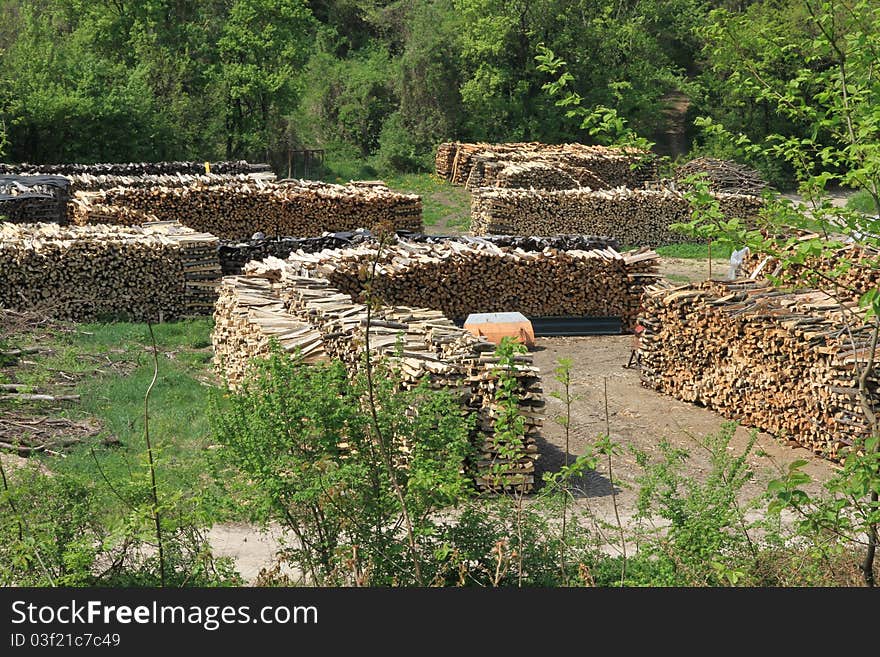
263 45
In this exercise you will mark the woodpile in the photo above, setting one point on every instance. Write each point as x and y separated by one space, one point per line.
90 182
489 171
248 316
481 164
85 213
783 362
723 176
479 277
433 349
34 199
849 268
300 208
635 217
134 168
235 254
157 272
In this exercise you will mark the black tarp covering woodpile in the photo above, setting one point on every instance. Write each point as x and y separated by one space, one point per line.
34 199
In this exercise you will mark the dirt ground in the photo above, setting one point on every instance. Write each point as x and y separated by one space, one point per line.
639 418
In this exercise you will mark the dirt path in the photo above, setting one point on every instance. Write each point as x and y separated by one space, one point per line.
639 418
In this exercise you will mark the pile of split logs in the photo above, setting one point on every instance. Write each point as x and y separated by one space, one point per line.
86 213
723 176
249 315
273 300
155 272
235 254
784 362
848 269
637 217
89 182
134 168
477 277
543 166
238 211
34 199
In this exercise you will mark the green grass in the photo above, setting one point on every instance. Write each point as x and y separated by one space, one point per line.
862 202
113 365
446 206
694 251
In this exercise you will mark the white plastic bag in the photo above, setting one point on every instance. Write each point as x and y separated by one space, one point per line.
736 261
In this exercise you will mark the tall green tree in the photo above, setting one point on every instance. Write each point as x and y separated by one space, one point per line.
262 47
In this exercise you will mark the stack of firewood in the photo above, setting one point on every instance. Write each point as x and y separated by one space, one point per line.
419 343
85 212
197 253
595 166
235 254
723 176
135 168
90 182
846 269
783 362
301 208
636 217
87 273
34 199
248 317
462 278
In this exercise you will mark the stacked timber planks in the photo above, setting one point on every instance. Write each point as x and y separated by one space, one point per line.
301 208
783 362
459 278
480 164
638 217
86 273
433 349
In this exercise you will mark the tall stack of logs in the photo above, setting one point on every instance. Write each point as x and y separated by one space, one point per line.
481 164
783 362
462 278
433 348
237 211
632 216
87 273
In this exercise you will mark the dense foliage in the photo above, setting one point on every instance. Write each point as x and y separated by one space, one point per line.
384 81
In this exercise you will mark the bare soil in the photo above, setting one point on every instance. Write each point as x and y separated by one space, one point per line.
638 419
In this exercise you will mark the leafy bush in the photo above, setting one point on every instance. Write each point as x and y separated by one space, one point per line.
54 532
862 202
312 456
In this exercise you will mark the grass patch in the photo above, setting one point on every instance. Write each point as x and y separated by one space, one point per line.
862 201
113 366
694 251
446 206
